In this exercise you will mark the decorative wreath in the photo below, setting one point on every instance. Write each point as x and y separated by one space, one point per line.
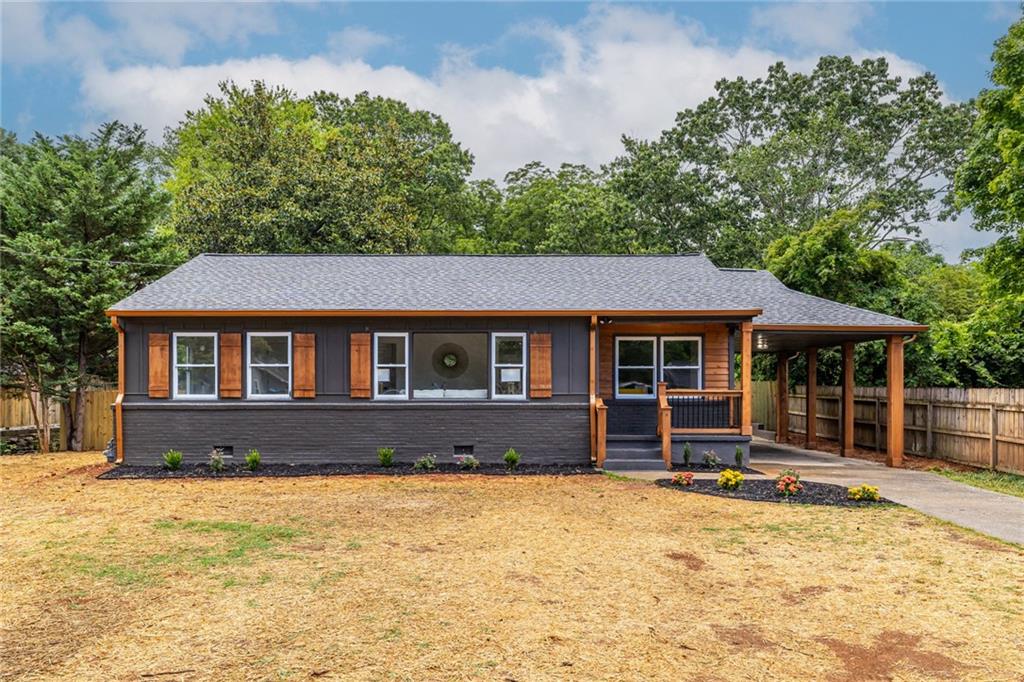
450 360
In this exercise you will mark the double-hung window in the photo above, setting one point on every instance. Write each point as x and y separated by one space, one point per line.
635 363
680 361
270 366
508 373
195 365
391 366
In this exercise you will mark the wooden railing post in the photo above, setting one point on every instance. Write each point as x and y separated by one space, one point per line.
665 424
601 411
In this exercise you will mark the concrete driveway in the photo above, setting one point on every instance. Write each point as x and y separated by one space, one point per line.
995 514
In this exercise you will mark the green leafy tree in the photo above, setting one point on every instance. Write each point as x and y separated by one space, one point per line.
78 216
771 157
260 170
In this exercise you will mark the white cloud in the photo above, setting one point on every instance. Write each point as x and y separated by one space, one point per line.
356 41
825 26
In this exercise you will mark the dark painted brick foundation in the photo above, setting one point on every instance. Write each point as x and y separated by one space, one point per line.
543 433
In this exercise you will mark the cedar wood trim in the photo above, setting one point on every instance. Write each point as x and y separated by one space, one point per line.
752 312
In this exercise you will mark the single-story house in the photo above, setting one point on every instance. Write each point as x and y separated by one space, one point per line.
570 359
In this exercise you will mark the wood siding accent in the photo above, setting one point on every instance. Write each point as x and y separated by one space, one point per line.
361 365
540 365
717 363
230 380
303 365
159 365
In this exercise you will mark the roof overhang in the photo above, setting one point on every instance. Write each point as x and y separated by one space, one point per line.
776 338
747 313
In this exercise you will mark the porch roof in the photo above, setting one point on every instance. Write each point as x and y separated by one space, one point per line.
665 285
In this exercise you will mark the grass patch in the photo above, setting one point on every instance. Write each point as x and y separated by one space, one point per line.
122 575
997 481
241 540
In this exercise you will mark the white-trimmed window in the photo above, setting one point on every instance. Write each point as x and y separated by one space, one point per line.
508 366
195 365
391 366
635 364
680 361
269 359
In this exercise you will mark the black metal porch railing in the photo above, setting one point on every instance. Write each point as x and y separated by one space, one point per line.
705 411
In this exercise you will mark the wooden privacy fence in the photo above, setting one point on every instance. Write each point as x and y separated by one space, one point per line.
16 413
982 427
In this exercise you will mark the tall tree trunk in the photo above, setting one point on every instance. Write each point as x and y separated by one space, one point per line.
78 435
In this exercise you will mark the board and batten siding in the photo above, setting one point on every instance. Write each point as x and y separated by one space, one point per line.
332 426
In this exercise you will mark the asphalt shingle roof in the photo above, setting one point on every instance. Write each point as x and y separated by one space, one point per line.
212 282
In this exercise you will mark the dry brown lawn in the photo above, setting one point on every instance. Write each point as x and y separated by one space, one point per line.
436 578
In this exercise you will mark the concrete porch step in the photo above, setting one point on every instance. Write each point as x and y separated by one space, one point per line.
634 464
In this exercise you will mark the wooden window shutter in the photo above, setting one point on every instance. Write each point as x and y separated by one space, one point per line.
159 365
230 361
303 365
540 365
360 365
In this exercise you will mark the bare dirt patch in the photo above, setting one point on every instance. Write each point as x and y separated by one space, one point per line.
449 577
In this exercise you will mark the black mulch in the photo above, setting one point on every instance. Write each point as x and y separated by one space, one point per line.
826 494
285 470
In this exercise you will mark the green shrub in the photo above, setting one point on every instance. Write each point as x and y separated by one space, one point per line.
386 456
739 457
512 459
425 463
469 462
216 460
252 459
711 458
172 460
687 453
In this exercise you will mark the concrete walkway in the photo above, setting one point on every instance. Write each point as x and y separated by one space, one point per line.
995 514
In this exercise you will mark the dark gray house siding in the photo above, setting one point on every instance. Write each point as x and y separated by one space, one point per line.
336 428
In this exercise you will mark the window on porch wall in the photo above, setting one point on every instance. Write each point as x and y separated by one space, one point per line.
680 362
635 365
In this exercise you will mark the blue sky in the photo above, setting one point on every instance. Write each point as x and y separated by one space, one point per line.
517 81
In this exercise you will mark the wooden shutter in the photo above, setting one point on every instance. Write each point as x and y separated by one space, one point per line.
360 365
303 365
230 365
159 365
540 365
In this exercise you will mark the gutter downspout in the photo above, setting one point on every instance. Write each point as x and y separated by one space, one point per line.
118 412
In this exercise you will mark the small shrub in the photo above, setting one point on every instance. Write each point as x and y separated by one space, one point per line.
172 460
252 459
684 479
386 457
216 460
711 458
469 462
512 459
739 457
687 453
787 483
863 493
730 479
425 463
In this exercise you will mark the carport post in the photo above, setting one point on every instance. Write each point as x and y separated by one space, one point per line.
846 410
781 398
894 397
811 431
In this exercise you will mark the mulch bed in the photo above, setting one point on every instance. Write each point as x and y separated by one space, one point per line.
826 494
288 470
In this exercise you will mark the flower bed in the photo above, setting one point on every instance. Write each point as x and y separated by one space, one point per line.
766 491
399 469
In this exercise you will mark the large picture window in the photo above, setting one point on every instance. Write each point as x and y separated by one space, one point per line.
509 366
270 367
390 366
449 366
680 361
195 365
635 363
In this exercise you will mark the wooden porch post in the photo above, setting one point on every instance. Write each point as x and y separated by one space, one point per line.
781 398
811 432
894 396
746 358
593 388
846 409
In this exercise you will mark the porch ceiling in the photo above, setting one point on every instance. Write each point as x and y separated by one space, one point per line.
775 341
